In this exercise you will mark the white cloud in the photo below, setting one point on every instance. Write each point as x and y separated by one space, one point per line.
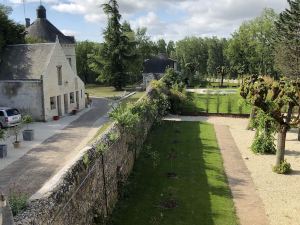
173 19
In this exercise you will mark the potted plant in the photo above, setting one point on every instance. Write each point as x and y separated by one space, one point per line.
15 131
28 134
74 111
3 147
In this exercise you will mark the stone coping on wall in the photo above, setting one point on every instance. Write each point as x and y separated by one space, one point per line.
57 198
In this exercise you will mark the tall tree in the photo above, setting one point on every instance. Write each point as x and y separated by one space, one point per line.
251 49
170 48
288 40
192 55
162 46
88 65
215 55
10 32
115 49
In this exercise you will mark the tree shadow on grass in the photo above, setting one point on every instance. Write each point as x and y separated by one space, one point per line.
200 191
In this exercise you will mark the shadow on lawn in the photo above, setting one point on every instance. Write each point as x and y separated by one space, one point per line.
198 184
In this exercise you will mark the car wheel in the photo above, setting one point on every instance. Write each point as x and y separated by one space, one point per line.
1 126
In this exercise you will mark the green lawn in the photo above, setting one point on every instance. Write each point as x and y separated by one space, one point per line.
100 91
200 191
227 104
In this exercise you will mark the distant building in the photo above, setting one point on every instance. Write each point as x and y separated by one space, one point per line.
155 67
41 78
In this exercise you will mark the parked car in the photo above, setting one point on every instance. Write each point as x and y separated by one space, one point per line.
9 117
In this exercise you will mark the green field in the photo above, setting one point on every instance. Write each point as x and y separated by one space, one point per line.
228 104
101 91
177 180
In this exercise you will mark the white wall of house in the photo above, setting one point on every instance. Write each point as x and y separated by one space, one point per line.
23 95
69 50
60 98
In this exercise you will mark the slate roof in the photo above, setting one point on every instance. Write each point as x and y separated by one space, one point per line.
158 64
42 29
25 62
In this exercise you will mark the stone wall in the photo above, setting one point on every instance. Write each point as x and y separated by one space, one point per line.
23 95
88 191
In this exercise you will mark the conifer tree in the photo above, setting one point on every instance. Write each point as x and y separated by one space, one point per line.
288 40
115 51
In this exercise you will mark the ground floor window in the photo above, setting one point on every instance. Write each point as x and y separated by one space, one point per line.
52 103
72 99
81 93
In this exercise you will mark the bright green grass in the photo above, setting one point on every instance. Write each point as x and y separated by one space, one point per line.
201 189
200 104
100 91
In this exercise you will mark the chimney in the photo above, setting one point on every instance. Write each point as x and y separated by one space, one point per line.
27 24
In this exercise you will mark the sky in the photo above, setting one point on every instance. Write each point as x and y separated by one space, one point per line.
168 19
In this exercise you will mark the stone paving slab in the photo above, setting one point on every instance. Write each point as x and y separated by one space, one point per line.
249 206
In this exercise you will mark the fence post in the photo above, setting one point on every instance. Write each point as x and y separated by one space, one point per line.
6 217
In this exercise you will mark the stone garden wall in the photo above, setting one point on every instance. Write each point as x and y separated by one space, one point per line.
89 190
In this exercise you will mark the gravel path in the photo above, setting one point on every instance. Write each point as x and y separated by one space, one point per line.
249 207
280 193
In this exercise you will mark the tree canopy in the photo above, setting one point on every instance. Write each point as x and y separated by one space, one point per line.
115 50
10 31
288 40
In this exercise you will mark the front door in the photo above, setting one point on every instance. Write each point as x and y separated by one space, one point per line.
77 99
66 103
59 106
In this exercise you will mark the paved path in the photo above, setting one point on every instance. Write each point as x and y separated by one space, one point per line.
30 172
249 206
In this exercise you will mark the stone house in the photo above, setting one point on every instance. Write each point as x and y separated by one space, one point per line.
41 79
155 67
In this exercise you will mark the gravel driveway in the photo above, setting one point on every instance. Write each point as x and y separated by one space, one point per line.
31 171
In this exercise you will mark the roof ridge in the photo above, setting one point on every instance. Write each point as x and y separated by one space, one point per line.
47 43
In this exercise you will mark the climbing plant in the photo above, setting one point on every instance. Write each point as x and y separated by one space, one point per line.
264 137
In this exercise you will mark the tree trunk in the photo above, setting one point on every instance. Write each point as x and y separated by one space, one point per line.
222 79
281 144
282 138
252 115
298 134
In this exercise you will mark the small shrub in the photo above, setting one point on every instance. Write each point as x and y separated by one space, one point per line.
113 136
27 119
229 104
264 138
18 202
125 117
86 160
283 168
218 102
177 100
2 135
241 104
100 147
263 144
207 100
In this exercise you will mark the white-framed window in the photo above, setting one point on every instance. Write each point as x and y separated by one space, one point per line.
72 99
52 103
59 74
70 61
